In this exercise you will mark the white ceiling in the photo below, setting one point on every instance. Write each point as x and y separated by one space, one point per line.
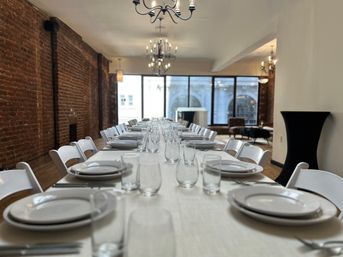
222 31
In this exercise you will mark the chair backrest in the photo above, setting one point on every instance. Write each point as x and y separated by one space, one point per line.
84 145
124 127
255 154
111 133
132 122
119 129
202 131
197 129
191 126
321 182
207 133
212 135
19 179
64 154
104 136
234 145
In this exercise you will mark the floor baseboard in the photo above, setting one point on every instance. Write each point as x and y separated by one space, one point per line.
279 164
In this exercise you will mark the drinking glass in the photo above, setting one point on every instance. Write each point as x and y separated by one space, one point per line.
211 175
149 174
188 153
130 172
187 173
151 233
153 141
108 223
172 151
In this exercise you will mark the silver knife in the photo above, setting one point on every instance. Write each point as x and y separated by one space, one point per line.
39 251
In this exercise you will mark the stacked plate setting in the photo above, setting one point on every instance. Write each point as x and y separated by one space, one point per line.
231 168
201 144
97 170
280 205
123 144
55 210
190 136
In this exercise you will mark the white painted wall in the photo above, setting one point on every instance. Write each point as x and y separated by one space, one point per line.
248 67
309 75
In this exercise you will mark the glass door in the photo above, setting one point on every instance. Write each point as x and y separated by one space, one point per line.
153 97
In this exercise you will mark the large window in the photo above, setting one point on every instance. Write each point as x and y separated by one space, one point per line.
200 94
247 99
176 94
160 96
153 97
223 96
130 98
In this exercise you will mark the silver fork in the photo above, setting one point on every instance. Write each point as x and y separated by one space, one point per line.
331 245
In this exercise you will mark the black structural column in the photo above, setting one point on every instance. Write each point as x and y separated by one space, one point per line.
303 132
53 26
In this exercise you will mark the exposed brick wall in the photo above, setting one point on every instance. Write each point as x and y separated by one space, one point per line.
26 102
26 123
77 85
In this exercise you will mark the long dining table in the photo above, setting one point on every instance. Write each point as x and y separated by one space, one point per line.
205 225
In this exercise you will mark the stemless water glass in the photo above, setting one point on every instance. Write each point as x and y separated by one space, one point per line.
149 174
130 173
187 173
108 223
153 142
188 153
172 151
151 233
211 173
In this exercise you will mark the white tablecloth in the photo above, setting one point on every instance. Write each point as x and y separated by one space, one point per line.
205 226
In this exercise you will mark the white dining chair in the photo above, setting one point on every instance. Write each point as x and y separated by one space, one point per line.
324 183
63 155
103 135
212 135
234 146
85 145
202 131
207 134
197 129
119 129
255 154
191 127
112 133
19 179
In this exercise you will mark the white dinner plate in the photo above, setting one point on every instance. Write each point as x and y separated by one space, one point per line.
52 207
97 168
201 144
327 212
123 144
80 192
277 201
233 166
131 136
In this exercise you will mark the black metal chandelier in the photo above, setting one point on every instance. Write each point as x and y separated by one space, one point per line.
160 53
171 7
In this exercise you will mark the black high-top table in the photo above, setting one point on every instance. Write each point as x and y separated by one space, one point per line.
303 130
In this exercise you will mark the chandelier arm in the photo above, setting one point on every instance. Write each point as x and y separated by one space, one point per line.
171 17
178 15
141 13
152 20
151 8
